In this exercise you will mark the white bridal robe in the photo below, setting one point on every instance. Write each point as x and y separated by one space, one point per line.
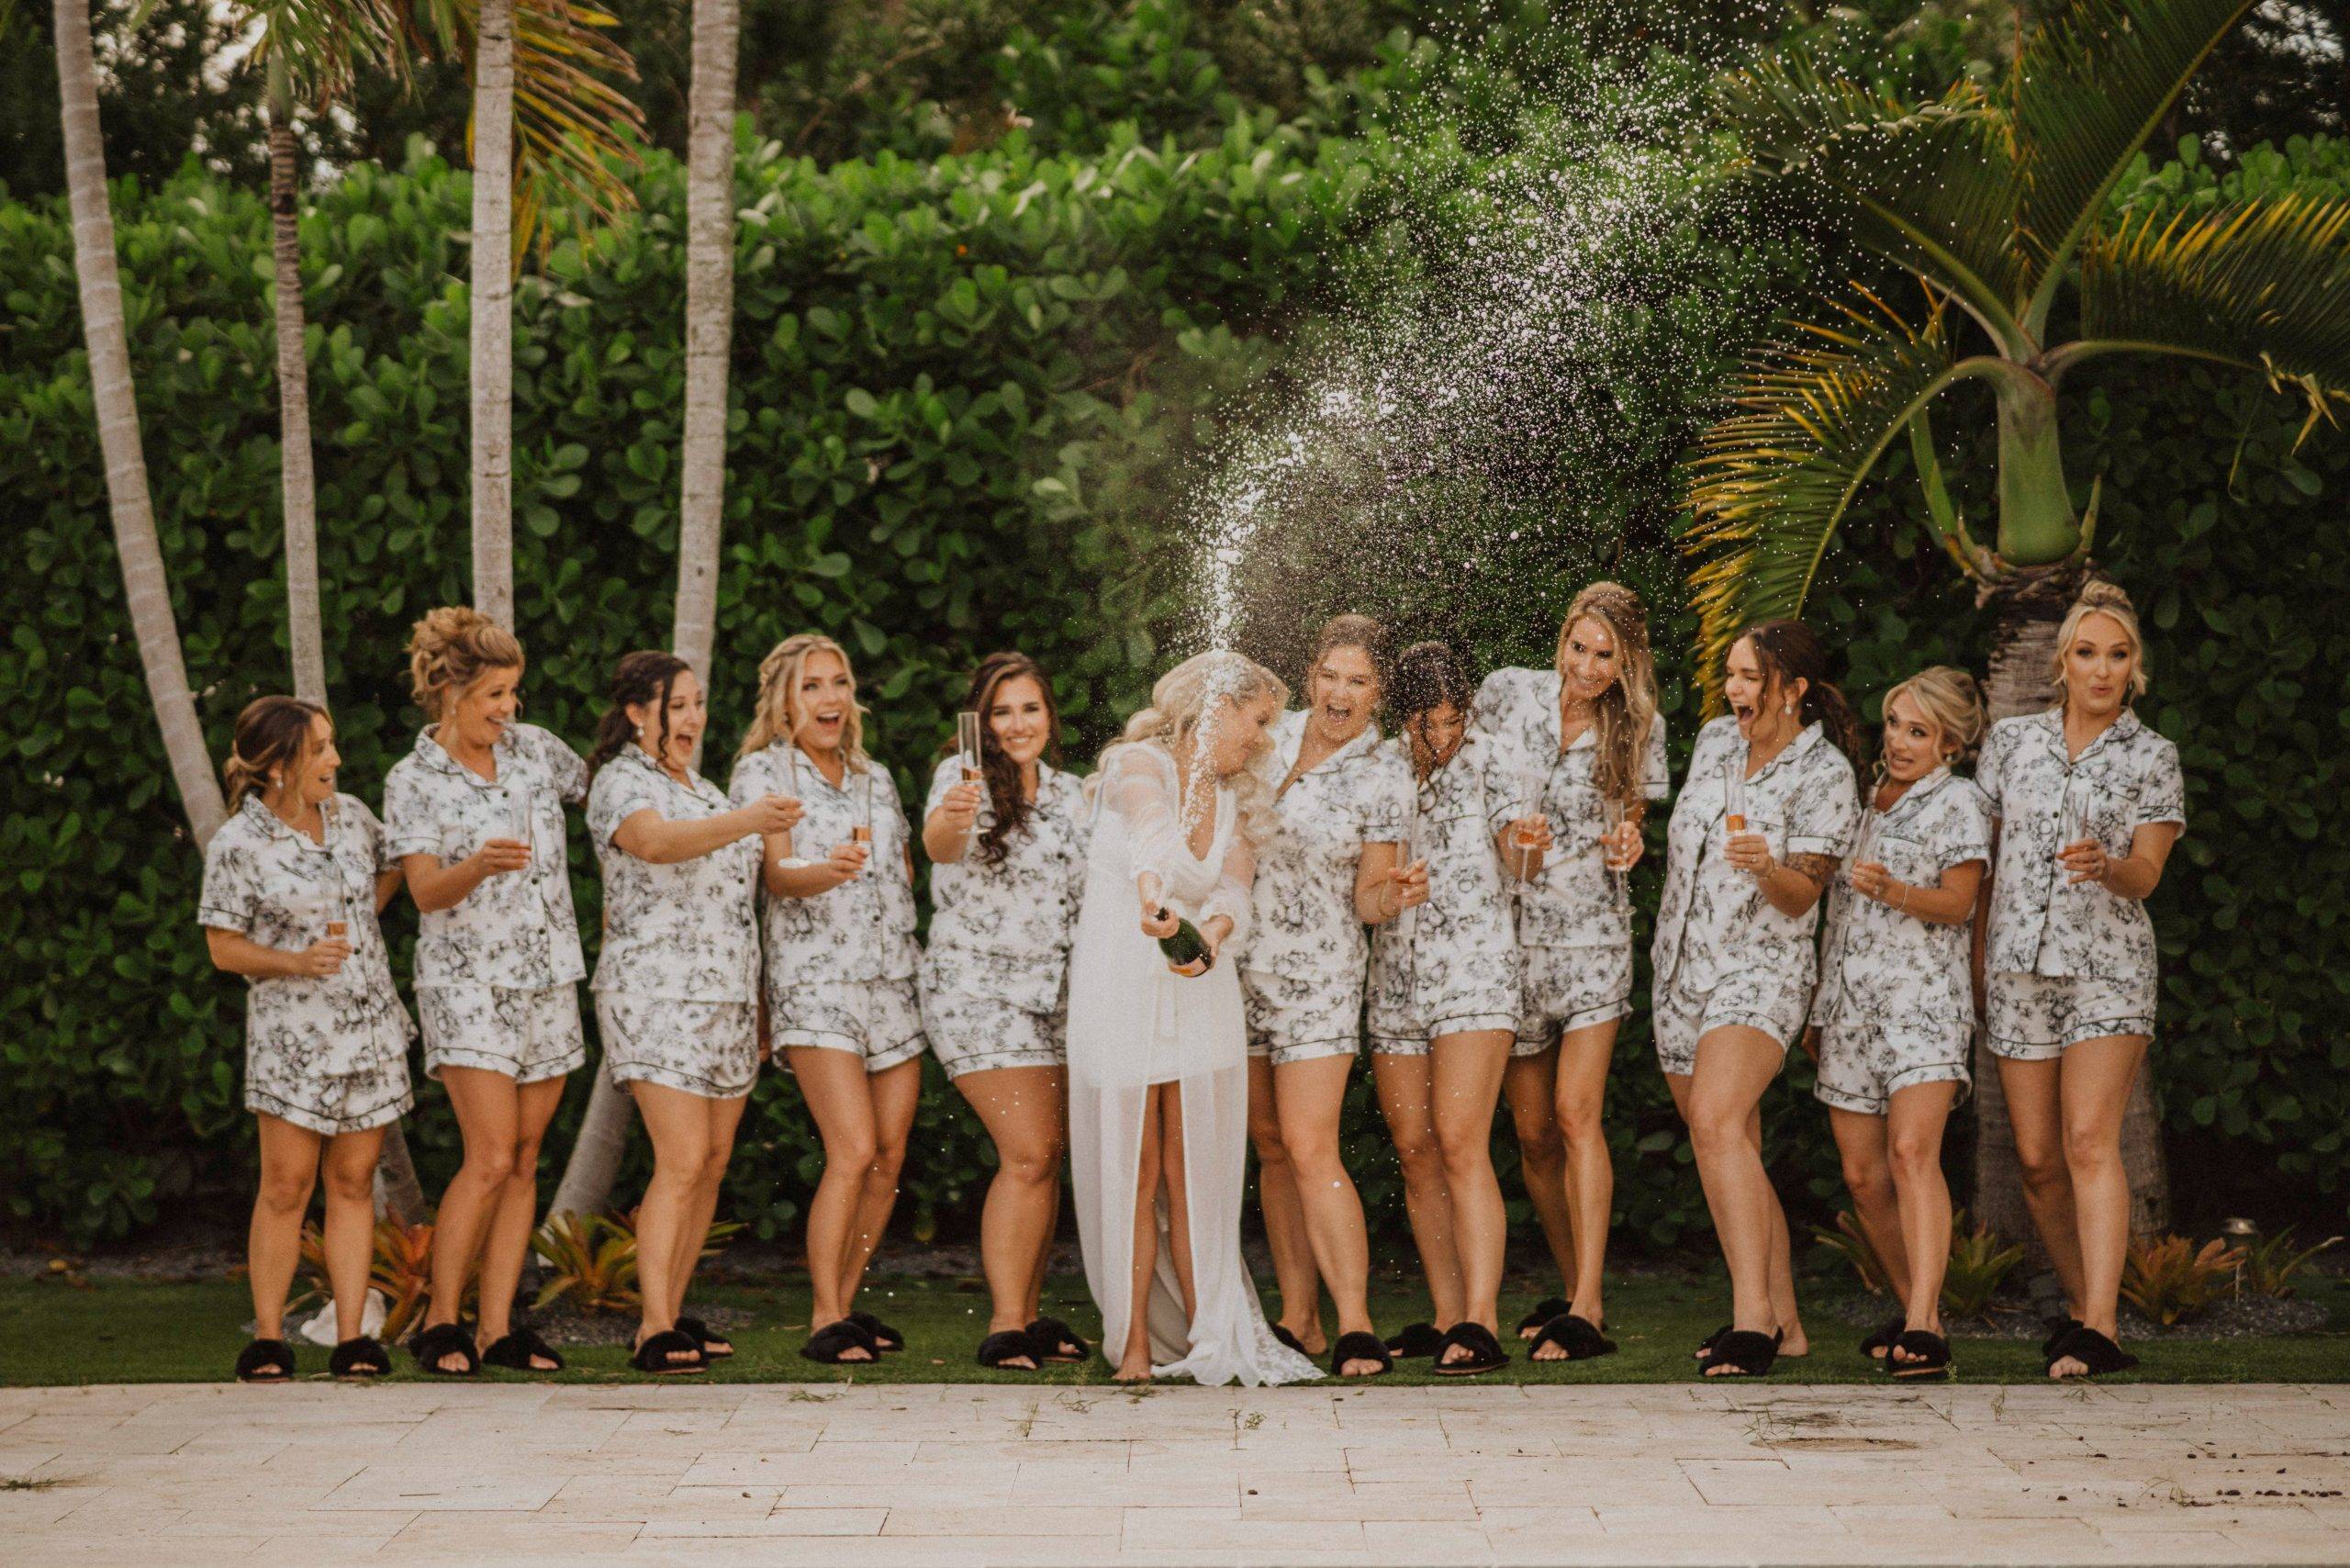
1134 1023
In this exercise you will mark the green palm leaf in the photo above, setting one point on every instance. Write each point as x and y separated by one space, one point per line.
2258 284
1772 483
2089 85
1934 188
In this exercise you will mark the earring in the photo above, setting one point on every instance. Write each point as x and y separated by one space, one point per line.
1789 710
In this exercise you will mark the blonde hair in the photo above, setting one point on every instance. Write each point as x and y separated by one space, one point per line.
2108 600
1627 711
1190 697
271 732
450 650
1951 702
778 718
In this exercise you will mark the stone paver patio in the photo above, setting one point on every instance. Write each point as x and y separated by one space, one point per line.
832 1475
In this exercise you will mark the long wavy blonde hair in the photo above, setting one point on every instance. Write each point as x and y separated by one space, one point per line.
1191 698
1626 710
778 714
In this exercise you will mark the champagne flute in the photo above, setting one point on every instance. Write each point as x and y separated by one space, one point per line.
525 825
1612 812
339 899
2072 819
967 745
1734 792
1524 836
862 832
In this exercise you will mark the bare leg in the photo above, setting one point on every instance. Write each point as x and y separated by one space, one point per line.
1175 1174
1913 1127
1020 1108
289 1169
1734 1066
723 1117
1465 1084
2036 1114
1861 1143
1530 1089
488 1108
349 1169
507 1245
2095 1088
897 1094
1134 1359
678 1124
1406 1095
834 1083
1584 1055
1277 1197
1793 1341
1310 1096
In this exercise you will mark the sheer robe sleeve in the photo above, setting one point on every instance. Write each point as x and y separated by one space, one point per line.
1234 878
1138 783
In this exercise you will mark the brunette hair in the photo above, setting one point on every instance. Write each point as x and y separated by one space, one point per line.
272 733
1790 651
646 677
452 648
778 717
2110 600
1352 632
1951 702
1626 710
1010 808
1429 675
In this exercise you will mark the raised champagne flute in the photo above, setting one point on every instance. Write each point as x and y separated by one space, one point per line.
967 745
1734 792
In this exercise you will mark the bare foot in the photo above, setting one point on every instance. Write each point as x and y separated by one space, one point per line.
1132 1371
1795 1343
2067 1366
1312 1342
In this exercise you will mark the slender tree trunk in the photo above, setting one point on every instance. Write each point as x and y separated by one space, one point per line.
146 593
2027 614
398 1194
297 482
492 302
596 1155
709 324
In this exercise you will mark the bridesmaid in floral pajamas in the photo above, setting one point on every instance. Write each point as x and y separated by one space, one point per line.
2089 803
678 981
1733 954
840 967
1590 728
474 813
293 883
1007 856
1895 1016
1444 999
1331 868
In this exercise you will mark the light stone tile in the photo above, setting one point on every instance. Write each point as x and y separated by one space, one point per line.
443 1488
1085 1519
783 1522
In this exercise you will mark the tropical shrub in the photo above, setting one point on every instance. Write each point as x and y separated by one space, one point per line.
2170 1281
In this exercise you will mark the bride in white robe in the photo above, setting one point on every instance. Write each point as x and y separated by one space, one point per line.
1158 1058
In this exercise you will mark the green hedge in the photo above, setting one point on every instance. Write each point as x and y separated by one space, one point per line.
968 394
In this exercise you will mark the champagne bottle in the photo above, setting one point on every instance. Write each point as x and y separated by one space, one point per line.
1185 947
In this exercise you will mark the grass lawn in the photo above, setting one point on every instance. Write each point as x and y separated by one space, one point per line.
134 1331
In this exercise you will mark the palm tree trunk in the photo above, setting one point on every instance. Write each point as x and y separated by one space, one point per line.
2027 612
146 593
398 1194
492 302
297 482
710 324
596 1153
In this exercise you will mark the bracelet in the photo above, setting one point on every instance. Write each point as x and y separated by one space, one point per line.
1904 905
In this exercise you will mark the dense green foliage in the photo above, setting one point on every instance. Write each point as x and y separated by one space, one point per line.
969 392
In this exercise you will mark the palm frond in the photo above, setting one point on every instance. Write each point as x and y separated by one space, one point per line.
2089 85
2263 284
325 43
1934 188
1771 482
